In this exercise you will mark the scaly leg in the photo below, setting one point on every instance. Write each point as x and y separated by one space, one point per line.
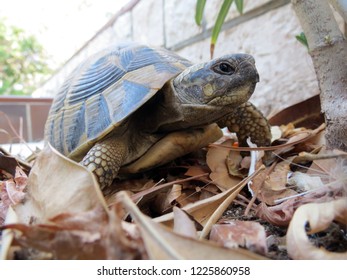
105 159
248 121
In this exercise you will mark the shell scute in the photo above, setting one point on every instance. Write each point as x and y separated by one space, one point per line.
104 90
97 116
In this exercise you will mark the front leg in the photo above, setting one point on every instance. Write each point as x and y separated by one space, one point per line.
104 159
248 121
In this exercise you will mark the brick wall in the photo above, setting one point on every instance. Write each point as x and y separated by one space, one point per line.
266 30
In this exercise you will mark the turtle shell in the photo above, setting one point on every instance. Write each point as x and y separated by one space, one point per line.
103 91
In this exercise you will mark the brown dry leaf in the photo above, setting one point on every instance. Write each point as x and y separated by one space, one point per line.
234 234
130 185
159 187
12 191
289 130
200 210
162 243
192 193
56 185
164 201
330 169
300 135
306 113
276 215
332 172
317 216
282 214
216 160
208 191
173 194
207 211
20 178
93 234
233 163
274 186
196 170
133 185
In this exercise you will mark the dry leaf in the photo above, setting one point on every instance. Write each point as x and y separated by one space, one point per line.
332 171
306 114
304 181
158 188
130 185
298 136
282 214
196 170
274 186
56 185
289 130
216 160
93 234
183 225
12 192
276 133
162 243
7 235
317 217
276 215
200 210
164 201
233 163
208 211
234 234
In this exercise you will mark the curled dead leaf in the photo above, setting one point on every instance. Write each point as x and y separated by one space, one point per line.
306 113
318 217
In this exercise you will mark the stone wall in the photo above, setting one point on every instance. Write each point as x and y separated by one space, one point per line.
266 30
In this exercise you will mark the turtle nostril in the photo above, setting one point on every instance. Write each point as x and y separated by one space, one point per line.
257 77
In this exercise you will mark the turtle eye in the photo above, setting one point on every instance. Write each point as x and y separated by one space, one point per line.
224 69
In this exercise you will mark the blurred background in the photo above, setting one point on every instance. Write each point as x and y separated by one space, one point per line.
41 42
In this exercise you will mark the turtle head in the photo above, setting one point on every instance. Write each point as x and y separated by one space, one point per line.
226 81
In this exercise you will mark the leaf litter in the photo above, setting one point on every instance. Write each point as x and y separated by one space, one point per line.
206 205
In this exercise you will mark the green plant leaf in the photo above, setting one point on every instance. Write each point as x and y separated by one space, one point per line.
23 62
239 5
219 22
302 39
200 6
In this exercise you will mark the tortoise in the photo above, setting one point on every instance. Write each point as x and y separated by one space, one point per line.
132 107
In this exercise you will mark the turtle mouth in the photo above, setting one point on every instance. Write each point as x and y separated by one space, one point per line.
234 98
